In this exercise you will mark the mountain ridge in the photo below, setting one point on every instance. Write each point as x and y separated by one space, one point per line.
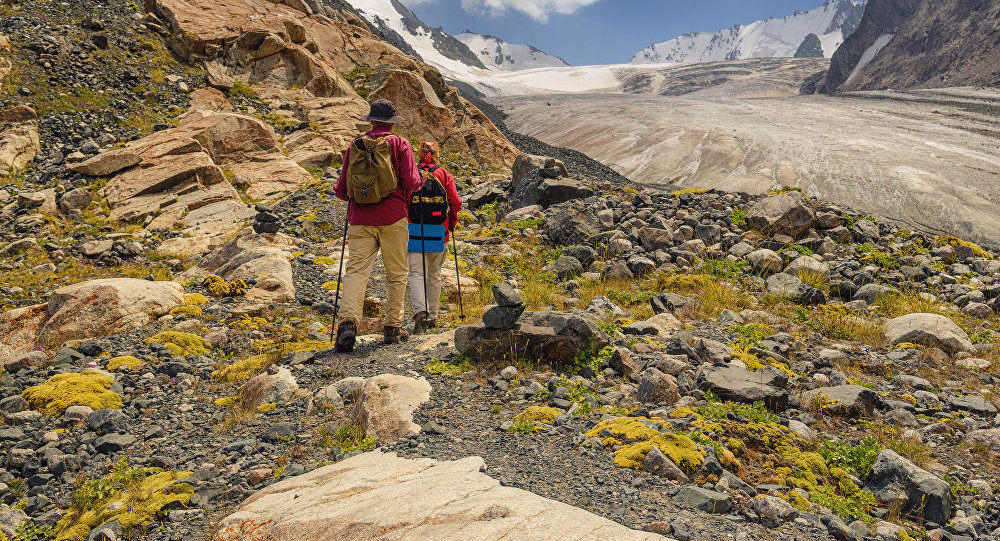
772 37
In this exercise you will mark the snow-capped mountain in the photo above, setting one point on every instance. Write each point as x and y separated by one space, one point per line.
469 57
497 54
413 36
809 33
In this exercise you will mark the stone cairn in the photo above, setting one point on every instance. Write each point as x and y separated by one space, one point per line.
509 308
265 221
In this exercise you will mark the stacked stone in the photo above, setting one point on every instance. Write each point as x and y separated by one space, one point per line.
509 308
265 221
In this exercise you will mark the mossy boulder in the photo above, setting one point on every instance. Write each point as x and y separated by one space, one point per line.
128 361
538 414
181 343
64 390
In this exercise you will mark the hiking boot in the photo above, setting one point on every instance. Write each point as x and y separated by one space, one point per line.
420 323
394 335
347 333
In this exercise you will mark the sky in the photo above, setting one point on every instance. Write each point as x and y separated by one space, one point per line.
584 32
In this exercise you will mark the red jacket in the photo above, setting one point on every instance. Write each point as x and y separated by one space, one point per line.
393 208
454 201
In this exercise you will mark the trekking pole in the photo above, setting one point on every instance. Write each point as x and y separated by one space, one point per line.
458 278
423 262
340 271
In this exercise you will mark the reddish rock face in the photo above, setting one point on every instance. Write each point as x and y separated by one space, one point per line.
290 54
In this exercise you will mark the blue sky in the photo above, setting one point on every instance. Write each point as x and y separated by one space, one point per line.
596 31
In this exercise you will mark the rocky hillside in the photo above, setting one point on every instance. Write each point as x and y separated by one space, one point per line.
920 44
815 33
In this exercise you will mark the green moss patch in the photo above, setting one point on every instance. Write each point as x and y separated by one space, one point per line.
271 354
64 390
127 361
181 343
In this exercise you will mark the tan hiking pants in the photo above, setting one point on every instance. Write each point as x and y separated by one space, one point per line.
365 242
432 263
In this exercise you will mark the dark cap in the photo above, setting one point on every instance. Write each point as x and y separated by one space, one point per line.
383 111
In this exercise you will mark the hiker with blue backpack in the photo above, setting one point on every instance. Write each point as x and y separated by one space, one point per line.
433 214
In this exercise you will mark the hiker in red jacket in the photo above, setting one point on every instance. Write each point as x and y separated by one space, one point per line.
433 214
377 227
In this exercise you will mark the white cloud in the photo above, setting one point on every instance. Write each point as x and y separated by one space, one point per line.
536 9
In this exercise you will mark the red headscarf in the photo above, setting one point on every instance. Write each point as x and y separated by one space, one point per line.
429 152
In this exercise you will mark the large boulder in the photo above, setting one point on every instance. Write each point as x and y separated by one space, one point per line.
573 222
19 328
556 338
263 257
18 146
896 481
657 388
548 191
278 386
931 330
104 307
387 404
786 214
382 496
853 400
765 262
737 384
433 117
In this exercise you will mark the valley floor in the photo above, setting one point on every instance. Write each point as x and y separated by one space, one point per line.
928 160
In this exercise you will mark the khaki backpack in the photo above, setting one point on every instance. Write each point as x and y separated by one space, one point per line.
370 177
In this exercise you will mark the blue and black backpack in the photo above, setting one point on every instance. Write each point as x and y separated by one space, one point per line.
429 214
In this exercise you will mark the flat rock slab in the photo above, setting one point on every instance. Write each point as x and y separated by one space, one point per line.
382 496
844 399
738 384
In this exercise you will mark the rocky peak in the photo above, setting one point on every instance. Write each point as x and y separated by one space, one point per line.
919 44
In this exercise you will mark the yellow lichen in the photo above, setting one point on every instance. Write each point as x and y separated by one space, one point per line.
538 414
681 449
685 191
323 260
681 413
195 299
64 390
186 310
246 323
264 408
225 401
127 361
331 285
628 428
955 241
141 497
270 354
218 287
181 343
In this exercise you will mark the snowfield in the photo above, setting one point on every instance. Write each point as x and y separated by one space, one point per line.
497 54
767 38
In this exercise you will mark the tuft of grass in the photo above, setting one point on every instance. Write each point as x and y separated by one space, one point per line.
242 90
891 437
871 253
